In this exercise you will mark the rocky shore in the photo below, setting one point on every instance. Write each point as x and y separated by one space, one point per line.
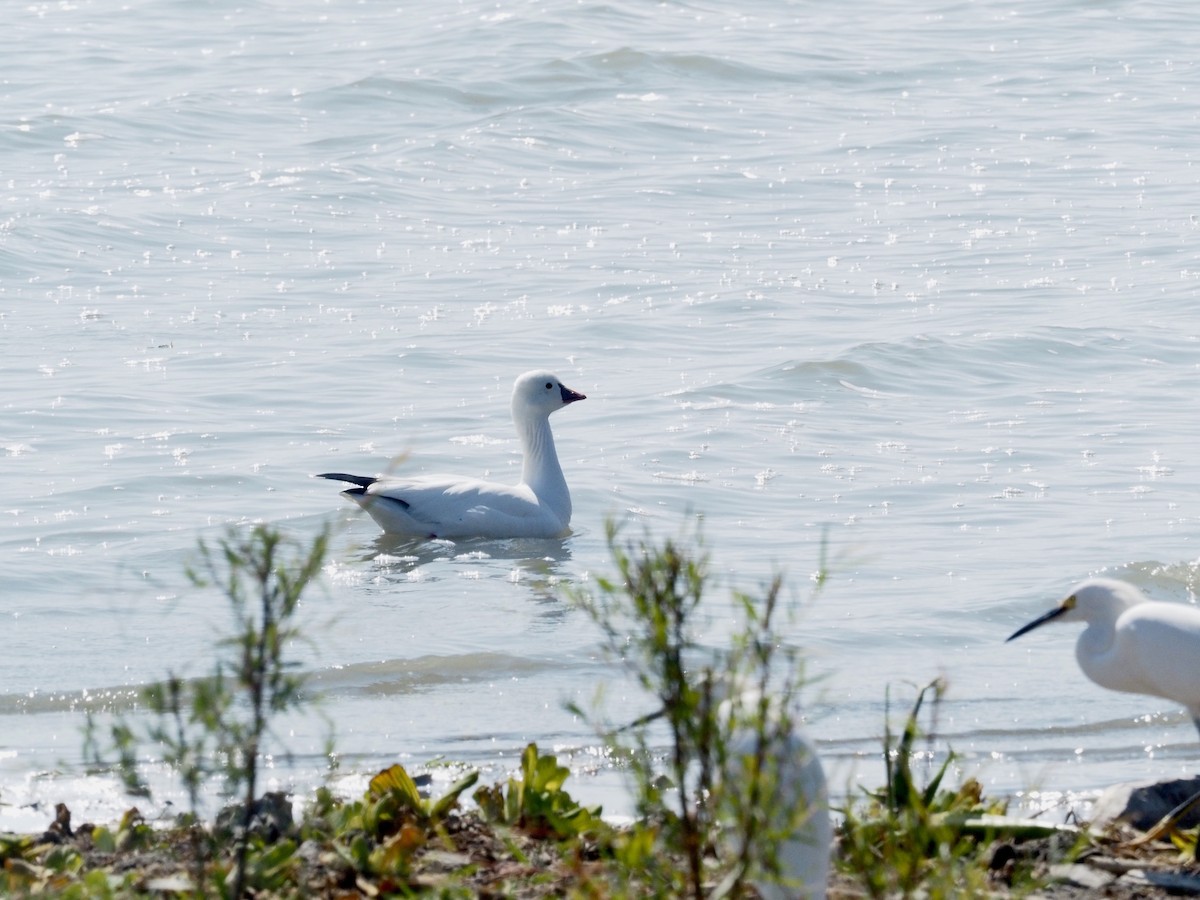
1121 857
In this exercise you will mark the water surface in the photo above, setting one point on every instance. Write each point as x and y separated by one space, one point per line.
919 284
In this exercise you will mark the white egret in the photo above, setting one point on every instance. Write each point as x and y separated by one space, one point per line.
441 506
1132 643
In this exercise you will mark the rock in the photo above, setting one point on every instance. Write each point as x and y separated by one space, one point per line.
170 884
446 860
62 819
271 817
1177 884
1143 803
1081 876
310 852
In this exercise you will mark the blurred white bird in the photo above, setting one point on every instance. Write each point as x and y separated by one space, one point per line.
799 801
1132 643
442 506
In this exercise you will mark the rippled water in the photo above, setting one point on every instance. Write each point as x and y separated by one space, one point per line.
917 282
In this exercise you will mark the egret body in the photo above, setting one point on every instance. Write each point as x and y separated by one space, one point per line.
1131 643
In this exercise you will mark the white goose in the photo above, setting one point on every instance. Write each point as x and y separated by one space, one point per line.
443 506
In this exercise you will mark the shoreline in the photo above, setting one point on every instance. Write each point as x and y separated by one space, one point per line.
481 858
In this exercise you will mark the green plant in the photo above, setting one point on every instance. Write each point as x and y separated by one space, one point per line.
270 867
647 619
217 725
395 797
907 838
728 716
536 802
378 835
770 794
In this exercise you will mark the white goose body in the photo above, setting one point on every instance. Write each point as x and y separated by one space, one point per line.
443 506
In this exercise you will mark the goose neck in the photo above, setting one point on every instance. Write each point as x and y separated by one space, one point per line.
541 471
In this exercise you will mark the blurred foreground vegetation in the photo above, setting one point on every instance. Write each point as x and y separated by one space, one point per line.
718 809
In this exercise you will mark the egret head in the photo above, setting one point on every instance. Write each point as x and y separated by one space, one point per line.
1097 601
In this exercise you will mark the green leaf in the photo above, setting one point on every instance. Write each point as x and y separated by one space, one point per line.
395 780
103 840
450 799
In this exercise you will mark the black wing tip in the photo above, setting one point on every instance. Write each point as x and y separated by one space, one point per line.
362 481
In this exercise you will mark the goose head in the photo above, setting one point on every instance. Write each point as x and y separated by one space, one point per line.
537 394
